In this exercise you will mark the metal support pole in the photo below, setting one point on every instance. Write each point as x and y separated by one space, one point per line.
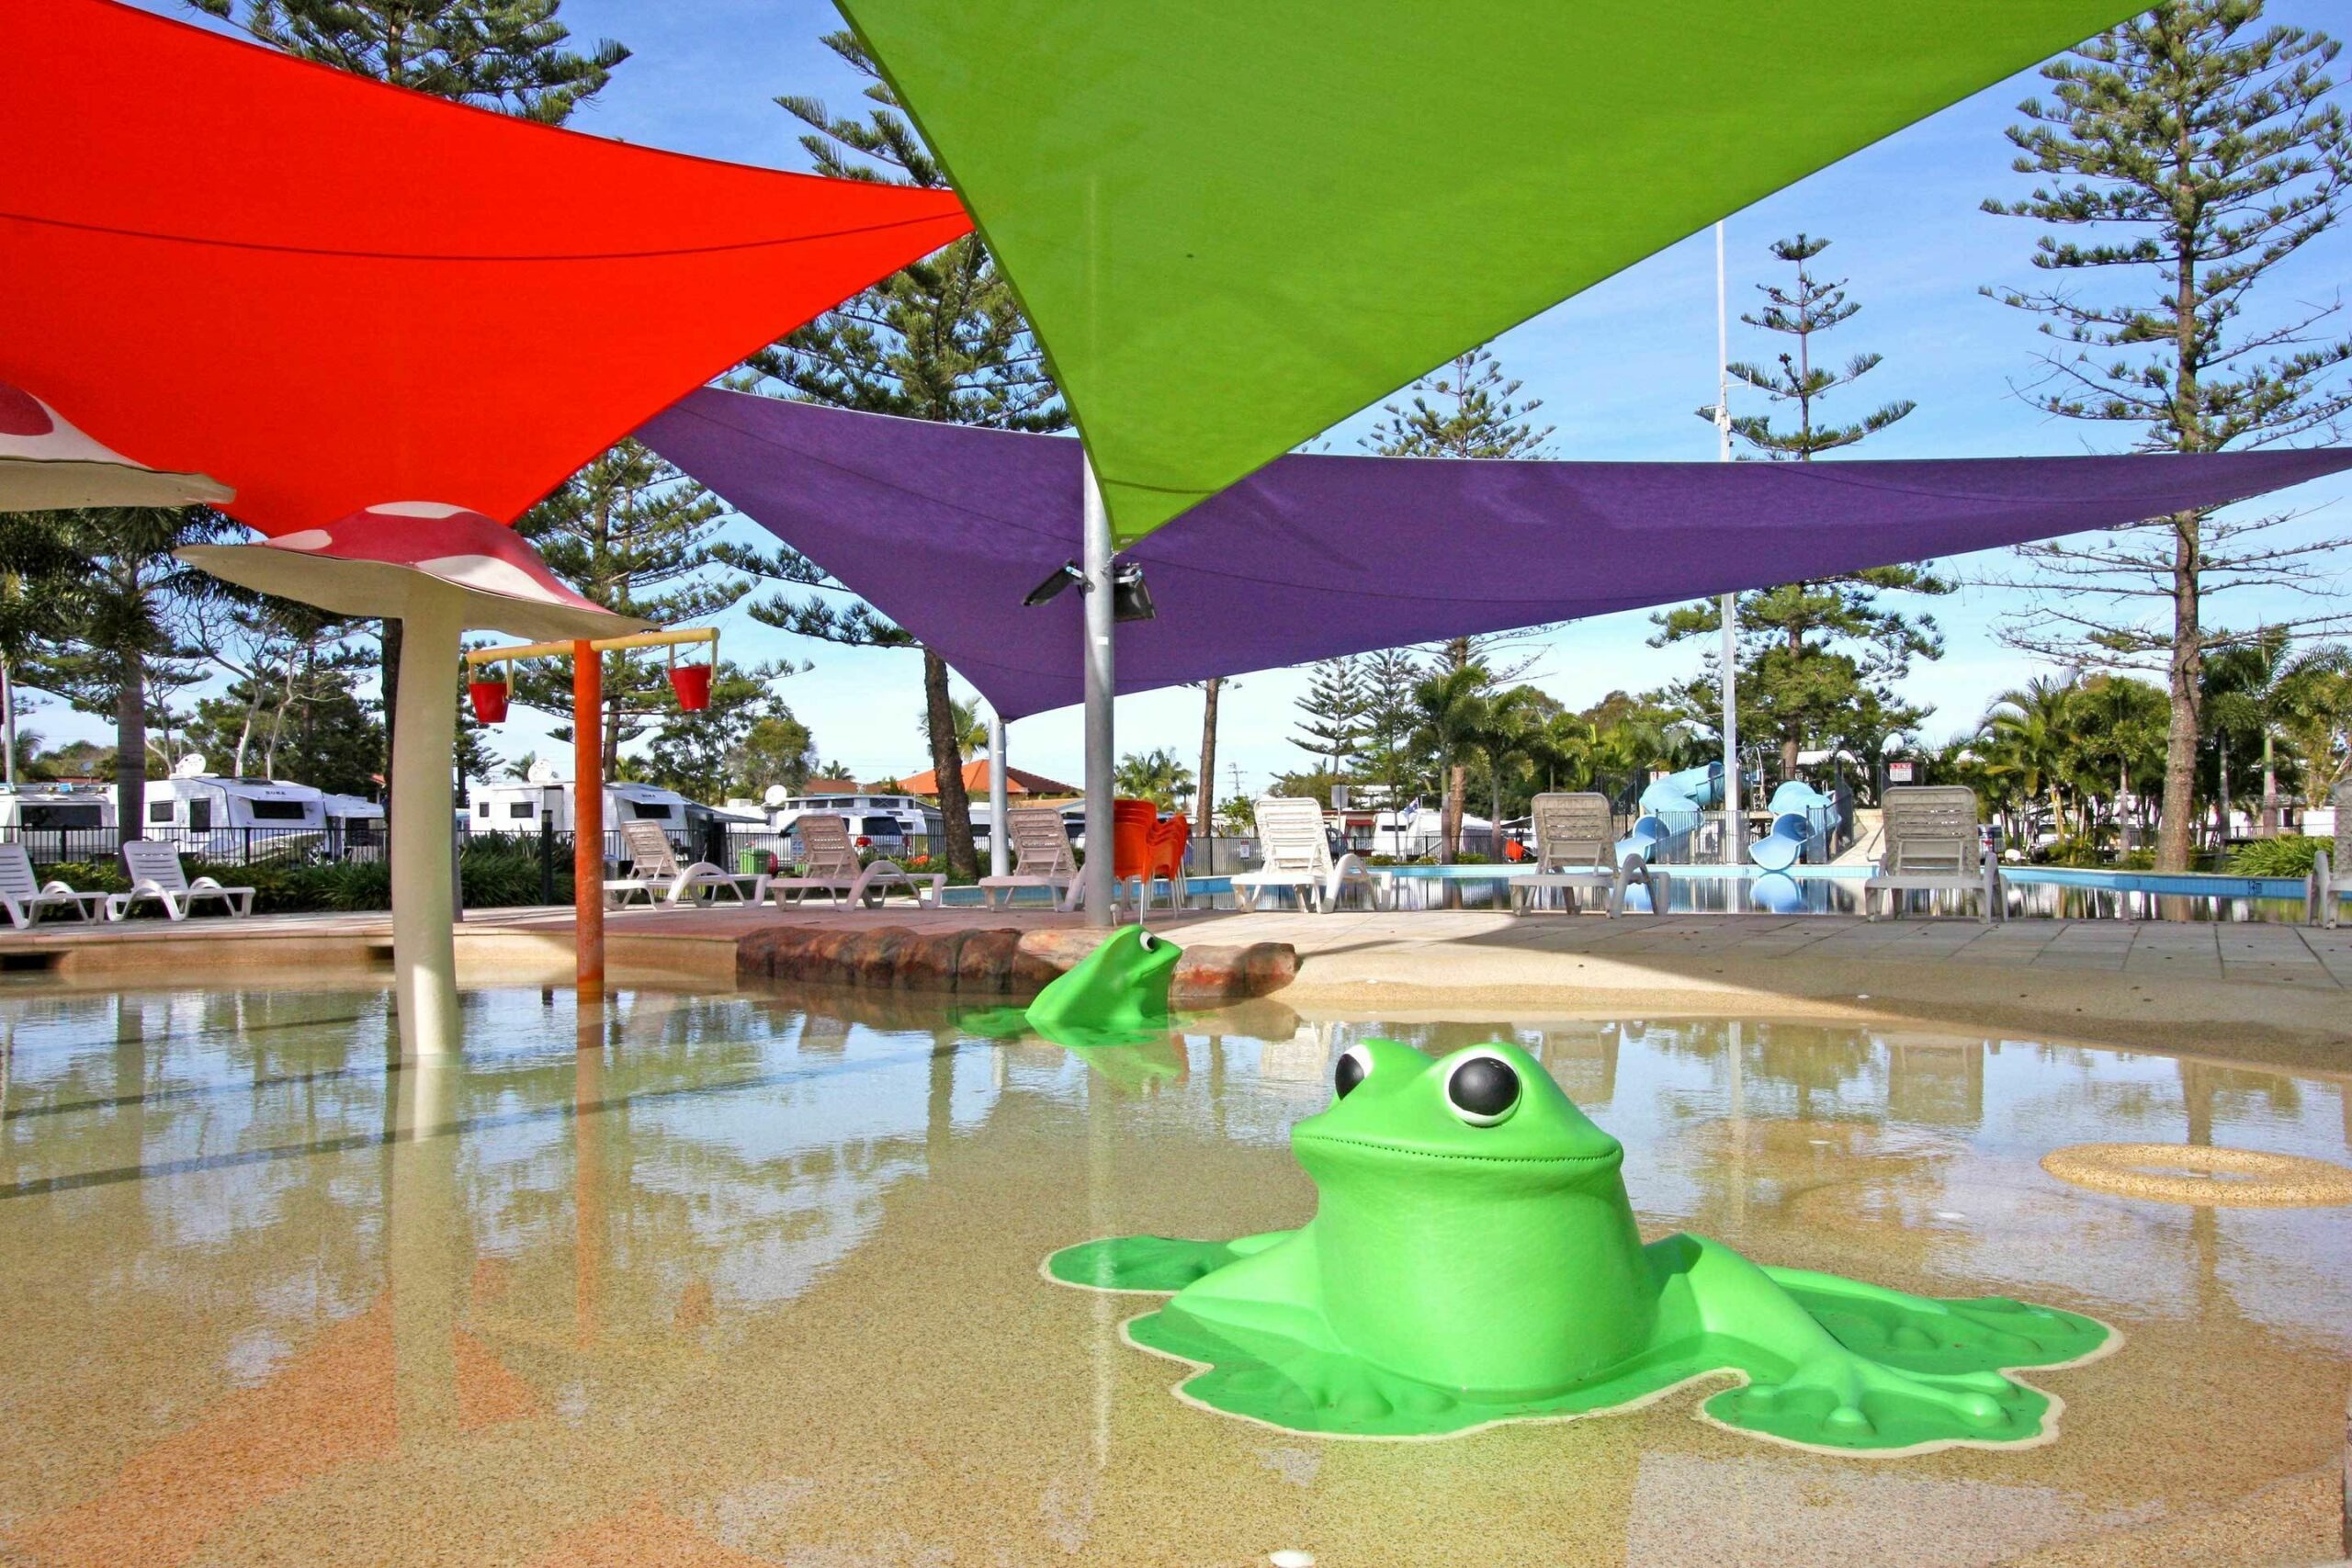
1734 807
1000 798
1101 685
425 735
588 820
7 728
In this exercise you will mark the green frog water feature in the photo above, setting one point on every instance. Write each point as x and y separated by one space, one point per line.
1473 1259
1116 995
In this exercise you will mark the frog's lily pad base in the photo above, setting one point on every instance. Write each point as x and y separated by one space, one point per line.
1928 1374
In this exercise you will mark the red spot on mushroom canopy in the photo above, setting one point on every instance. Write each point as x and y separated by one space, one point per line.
21 414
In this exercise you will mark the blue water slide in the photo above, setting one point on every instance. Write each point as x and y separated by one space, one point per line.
1801 814
1776 893
1671 807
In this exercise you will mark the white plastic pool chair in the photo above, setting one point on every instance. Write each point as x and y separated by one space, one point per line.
1930 842
23 896
1296 854
1042 857
157 876
2329 878
831 869
654 871
1576 847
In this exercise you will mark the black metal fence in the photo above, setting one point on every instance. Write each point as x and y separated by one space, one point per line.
215 846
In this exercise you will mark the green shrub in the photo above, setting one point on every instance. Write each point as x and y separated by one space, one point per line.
2290 854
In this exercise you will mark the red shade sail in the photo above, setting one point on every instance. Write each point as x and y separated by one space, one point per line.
329 293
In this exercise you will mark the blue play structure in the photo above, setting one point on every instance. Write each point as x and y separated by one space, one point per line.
1672 809
1801 818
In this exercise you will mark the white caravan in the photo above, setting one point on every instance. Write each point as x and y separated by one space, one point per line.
355 828
512 808
232 820
57 822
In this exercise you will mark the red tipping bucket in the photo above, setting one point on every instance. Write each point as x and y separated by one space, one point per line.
489 700
692 683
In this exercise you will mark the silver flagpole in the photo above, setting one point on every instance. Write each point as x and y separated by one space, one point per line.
1000 800
1101 685
1734 814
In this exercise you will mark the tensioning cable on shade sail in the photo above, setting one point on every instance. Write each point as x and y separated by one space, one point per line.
1295 190
947 528
328 293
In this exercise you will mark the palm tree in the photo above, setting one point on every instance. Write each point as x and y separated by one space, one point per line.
1154 775
2120 727
1509 736
1562 750
970 730
2029 734
2316 718
1450 715
2246 692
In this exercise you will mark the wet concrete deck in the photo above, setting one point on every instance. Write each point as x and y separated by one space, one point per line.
2275 953
2242 988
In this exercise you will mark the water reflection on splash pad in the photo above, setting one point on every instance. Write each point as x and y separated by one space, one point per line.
711 1247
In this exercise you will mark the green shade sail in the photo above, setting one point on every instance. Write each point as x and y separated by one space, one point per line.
1235 224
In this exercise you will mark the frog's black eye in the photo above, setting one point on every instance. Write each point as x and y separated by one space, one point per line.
1145 940
1354 1067
1483 1089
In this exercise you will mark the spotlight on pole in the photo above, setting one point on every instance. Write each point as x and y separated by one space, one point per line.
1064 575
1130 595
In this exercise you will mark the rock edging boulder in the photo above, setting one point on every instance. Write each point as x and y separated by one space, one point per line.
978 962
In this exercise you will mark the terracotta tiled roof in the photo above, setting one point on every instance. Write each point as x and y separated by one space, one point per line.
1017 781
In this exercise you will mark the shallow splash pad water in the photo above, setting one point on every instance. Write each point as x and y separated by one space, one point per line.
1472 1259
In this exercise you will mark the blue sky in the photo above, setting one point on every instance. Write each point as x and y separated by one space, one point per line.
1618 370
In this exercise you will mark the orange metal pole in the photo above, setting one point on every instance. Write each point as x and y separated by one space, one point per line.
588 819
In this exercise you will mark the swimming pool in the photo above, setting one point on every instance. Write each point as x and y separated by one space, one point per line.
2032 892
753 1278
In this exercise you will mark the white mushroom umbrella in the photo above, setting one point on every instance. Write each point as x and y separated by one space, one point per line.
46 464
438 570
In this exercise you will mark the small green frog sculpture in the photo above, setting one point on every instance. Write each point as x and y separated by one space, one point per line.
1116 995
1472 1259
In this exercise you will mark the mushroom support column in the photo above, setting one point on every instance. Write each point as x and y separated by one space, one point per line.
438 570
424 737
1101 687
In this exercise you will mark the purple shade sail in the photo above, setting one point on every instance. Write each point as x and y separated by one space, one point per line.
945 528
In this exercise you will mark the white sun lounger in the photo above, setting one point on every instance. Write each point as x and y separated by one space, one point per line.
1042 857
23 896
1576 847
1296 855
1931 843
654 871
831 869
2329 876
157 875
